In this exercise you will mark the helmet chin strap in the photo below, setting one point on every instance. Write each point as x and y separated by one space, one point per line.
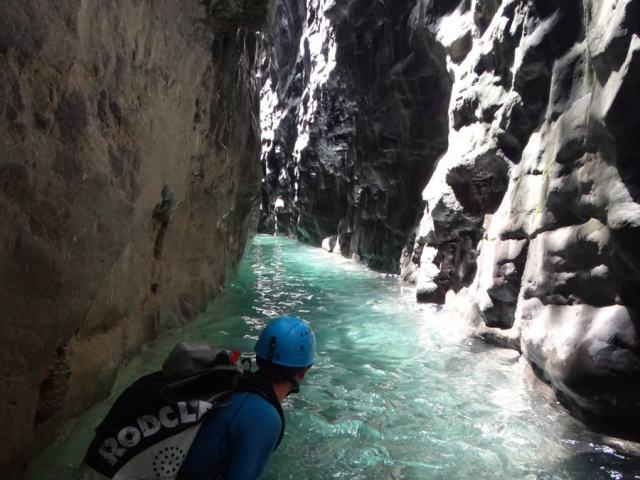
296 386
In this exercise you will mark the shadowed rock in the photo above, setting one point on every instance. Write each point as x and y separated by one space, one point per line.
356 126
129 176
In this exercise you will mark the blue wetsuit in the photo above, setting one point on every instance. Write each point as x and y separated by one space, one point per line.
235 440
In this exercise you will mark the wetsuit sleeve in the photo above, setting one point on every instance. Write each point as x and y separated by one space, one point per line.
254 433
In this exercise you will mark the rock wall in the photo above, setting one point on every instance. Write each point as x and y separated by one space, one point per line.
521 119
129 186
532 222
353 123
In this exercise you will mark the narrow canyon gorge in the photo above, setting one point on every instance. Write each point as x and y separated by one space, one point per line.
486 151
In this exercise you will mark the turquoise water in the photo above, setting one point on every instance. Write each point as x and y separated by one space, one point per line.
399 390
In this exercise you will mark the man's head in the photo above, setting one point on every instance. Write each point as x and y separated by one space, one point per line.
285 350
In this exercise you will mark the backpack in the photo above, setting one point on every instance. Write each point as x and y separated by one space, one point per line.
152 424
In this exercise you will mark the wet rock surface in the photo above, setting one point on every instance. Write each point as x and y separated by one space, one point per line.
356 125
129 182
521 120
531 113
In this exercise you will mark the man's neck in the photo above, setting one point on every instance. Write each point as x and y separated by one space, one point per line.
281 390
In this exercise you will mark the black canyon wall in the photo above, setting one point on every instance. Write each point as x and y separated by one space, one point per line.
129 186
355 105
489 152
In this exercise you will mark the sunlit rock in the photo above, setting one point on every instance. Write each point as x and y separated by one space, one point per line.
589 355
539 185
329 243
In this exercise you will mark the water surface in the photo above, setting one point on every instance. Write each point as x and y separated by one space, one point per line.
399 390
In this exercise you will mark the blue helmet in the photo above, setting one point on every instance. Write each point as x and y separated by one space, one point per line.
287 341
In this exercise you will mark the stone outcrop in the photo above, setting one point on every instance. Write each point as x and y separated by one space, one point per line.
521 119
531 219
129 186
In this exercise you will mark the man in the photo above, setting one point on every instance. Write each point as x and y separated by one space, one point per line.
236 440
194 419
